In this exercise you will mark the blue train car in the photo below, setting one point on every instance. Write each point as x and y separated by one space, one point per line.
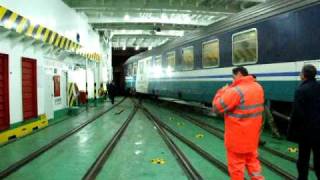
273 40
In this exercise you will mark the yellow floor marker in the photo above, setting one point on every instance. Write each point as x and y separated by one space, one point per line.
158 161
293 149
199 136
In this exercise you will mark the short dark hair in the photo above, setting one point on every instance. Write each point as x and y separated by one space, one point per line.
309 71
240 69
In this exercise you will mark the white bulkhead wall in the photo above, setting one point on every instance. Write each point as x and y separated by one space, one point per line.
57 16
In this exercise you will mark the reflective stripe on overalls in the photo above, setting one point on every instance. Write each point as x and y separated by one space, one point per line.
245 108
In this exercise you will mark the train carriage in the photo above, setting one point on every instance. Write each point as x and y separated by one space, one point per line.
273 40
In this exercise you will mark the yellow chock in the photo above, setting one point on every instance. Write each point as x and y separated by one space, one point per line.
293 149
158 161
199 136
23 130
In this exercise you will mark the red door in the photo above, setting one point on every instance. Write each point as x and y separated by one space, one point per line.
4 92
29 88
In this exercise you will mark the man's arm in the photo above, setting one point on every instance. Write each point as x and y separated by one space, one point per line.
225 100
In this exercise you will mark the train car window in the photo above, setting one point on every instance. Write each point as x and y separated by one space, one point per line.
210 54
245 47
158 61
129 70
134 69
171 58
141 67
148 64
187 58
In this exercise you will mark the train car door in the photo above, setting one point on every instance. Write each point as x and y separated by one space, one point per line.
29 88
142 80
4 93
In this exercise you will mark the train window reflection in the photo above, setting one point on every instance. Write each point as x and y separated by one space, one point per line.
157 61
135 66
210 54
245 47
129 70
187 58
171 57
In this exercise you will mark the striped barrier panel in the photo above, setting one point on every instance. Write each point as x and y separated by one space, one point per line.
23 130
13 21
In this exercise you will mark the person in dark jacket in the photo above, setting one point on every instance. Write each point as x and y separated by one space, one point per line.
111 91
304 127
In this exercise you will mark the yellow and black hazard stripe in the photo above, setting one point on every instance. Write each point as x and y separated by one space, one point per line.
71 97
13 21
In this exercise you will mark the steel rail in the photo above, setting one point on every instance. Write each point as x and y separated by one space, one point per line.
182 159
96 167
19 164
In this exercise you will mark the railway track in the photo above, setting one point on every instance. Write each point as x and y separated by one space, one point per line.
24 161
214 161
96 167
213 129
175 150
219 134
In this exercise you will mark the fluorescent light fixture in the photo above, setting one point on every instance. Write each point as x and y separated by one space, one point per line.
126 17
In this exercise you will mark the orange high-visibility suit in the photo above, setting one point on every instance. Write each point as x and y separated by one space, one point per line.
242 104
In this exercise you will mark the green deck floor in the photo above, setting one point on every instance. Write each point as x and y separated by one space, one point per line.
71 158
209 142
280 145
131 158
22 147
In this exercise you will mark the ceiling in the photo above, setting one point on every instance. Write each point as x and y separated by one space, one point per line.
150 23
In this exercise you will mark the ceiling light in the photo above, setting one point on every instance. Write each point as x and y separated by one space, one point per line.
164 17
126 17
124 48
137 48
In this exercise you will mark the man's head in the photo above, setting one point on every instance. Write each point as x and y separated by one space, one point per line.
239 72
308 72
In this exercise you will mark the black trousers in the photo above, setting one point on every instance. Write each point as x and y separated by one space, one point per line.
305 149
111 98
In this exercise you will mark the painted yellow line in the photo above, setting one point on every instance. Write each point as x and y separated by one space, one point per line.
9 23
2 12
38 34
52 37
62 42
46 34
21 25
58 40
30 30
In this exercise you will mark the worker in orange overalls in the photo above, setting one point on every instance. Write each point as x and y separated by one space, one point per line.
242 103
